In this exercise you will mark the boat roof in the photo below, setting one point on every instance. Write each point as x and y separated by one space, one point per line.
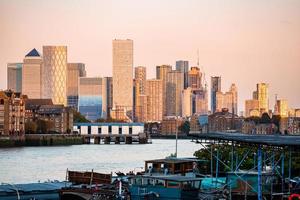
174 160
271 140
30 187
175 178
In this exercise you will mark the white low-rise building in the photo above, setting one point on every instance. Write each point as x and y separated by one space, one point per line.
108 128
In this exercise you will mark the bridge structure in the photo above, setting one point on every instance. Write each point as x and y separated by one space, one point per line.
273 151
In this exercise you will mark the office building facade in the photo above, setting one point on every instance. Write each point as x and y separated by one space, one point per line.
14 76
154 93
161 74
183 66
32 75
215 87
54 74
140 89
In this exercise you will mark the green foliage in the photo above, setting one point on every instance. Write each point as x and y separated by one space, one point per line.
79 118
225 156
185 127
265 118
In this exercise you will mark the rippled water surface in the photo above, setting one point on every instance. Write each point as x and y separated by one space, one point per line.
31 164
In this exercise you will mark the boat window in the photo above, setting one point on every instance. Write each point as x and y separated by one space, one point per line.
172 184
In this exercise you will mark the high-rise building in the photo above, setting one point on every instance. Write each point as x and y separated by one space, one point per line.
32 75
200 101
108 86
75 71
54 74
252 108
195 78
263 97
187 102
91 97
154 100
161 73
140 89
14 77
282 108
215 87
227 100
183 66
123 74
173 91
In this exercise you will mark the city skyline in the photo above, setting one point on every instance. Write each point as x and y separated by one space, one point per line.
266 51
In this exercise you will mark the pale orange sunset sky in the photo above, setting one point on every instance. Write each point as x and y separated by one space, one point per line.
244 41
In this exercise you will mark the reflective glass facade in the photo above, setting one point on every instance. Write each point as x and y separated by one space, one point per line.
91 107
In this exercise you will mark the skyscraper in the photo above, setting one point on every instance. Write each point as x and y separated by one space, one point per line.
252 108
263 97
108 85
91 97
215 87
227 100
123 74
75 70
32 75
183 66
140 89
282 108
173 91
154 100
14 76
54 74
187 102
161 73
195 78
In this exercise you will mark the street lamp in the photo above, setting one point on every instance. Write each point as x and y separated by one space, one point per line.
15 188
176 132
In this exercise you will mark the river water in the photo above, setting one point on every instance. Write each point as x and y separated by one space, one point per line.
33 164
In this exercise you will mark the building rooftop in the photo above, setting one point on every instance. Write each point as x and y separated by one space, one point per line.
33 53
31 104
173 160
109 124
270 140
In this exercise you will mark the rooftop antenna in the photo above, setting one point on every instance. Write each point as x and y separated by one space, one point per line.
198 57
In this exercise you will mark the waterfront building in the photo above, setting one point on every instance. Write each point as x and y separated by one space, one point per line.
195 78
140 89
54 74
32 75
14 77
123 74
45 117
263 97
294 113
227 100
154 93
183 66
252 108
215 87
250 127
109 128
161 73
91 97
75 71
12 113
224 121
170 125
173 91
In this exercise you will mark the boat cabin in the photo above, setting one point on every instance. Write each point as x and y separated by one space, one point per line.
164 187
181 166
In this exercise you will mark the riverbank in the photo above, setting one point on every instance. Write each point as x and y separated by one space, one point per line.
171 137
40 140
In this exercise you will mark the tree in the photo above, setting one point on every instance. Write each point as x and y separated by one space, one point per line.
265 119
185 127
276 120
79 118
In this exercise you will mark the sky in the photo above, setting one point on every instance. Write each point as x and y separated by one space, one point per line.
243 41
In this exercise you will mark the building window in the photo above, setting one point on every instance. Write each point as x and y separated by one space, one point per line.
109 129
130 130
78 127
99 130
89 130
120 130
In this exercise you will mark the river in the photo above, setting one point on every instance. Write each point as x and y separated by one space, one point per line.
33 164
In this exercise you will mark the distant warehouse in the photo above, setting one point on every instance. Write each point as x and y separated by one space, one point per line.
108 128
